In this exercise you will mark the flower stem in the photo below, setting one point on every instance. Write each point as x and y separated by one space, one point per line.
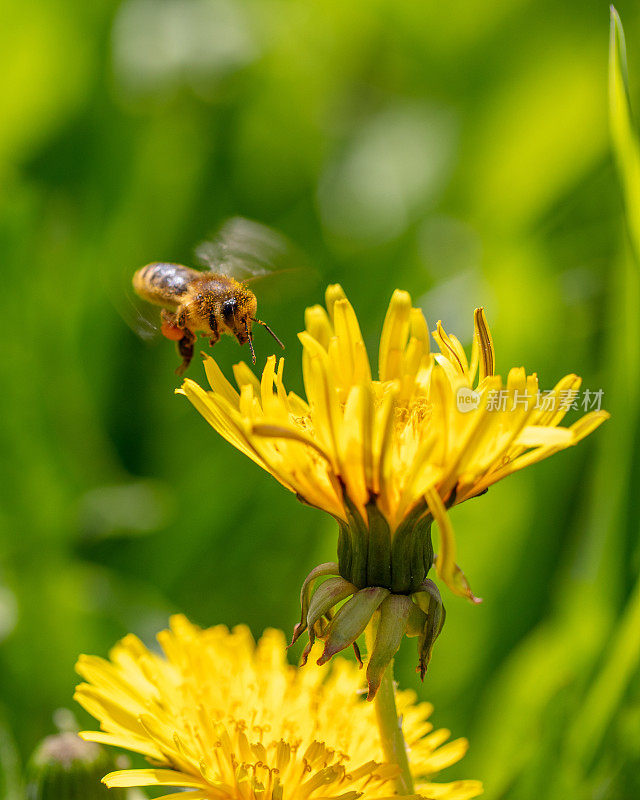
389 726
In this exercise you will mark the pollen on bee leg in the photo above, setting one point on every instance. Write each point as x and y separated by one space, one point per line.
171 331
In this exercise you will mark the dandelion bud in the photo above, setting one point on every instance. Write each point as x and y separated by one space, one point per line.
63 767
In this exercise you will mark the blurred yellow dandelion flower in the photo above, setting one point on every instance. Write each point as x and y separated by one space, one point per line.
386 457
229 719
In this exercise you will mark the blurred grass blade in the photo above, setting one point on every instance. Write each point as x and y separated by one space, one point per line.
623 135
554 655
10 783
607 690
623 654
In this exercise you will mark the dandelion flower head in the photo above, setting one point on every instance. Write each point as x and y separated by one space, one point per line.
383 453
229 719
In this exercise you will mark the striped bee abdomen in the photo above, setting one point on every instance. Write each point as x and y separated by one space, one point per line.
163 284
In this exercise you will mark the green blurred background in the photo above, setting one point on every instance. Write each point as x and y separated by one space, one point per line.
461 152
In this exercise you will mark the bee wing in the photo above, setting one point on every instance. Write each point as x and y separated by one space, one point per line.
141 317
243 249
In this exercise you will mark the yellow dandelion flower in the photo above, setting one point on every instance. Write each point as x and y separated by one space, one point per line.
387 457
229 719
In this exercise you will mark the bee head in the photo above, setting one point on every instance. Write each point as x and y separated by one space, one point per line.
235 317
238 312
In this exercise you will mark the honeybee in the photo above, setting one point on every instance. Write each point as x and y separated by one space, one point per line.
212 302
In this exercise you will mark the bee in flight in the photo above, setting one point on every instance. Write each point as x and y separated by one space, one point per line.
217 300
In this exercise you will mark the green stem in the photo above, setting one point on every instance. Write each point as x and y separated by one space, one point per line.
389 726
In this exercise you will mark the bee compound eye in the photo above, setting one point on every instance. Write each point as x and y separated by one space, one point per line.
229 308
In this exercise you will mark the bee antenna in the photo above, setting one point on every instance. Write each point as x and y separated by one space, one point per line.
264 325
250 335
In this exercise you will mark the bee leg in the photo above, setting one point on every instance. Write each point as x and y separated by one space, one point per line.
170 329
185 349
214 333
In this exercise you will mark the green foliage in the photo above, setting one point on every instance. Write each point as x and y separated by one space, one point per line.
463 156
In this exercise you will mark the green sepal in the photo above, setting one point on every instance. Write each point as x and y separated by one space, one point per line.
430 602
326 596
427 594
369 555
64 767
422 560
328 568
345 550
379 557
416 621
394 616
359 537
402 551
351 620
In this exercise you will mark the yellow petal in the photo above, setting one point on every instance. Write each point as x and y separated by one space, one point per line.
270 430
395 332
536 435
587 424
334 293
458 790
191 795
419 329
355 456
243 375
318 325
451 348
218 382
447 755
321 394
446 562
228 425
266 385
152 777
555 404
482 336
381 438
352 347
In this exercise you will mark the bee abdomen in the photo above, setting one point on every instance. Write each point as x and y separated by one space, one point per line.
163 284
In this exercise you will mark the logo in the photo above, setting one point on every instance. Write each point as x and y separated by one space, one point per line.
467 399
